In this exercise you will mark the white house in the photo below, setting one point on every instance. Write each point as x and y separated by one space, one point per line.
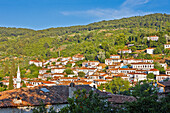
49 83
57 70
43 70
78 57
126 70
115 56
153 38
129 61
166 46
137 76
65 58
126 51
167 72
108 61
147 60
149 50
162 77
36 62
58 74
90 64
154 71
143 66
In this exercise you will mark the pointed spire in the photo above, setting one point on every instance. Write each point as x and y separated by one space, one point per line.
18 69
18 80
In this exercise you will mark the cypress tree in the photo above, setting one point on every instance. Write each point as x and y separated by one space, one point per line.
13 68
11 82
12 73
6 70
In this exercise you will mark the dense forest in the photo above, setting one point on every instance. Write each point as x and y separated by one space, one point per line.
96 41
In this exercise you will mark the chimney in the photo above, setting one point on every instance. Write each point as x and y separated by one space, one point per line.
72 89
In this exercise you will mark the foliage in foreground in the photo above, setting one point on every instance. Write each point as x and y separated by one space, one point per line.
87 103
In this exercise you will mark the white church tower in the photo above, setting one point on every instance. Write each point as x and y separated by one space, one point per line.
18 80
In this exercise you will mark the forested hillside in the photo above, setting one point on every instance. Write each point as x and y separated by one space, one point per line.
90 40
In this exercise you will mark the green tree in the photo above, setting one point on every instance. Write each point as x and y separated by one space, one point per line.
159 67
117 85
81 74
68 65
150 76
11 82
13 69
133 48
87 103
157 51
68 71
46 45
6 69
143 90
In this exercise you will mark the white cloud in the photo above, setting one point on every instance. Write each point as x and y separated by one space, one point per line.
125 10
132 3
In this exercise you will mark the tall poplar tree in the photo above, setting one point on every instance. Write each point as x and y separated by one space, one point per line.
6 70
11 82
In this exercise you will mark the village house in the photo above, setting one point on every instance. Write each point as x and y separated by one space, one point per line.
78 57
129 61
23 100
115 56
126 70
112 71
129 45
143 66
167 72
58 70
58 75
111 61
147 60
98 82
154 71
46 62
101 66
117 65
149 50
162 77
137 76
126 51
65 58
166 46
87 71
36 62
35 83
49 83
90 64
43 70
93 77
54 66
108 61
123 76
153 38
109 78
54 59
103 76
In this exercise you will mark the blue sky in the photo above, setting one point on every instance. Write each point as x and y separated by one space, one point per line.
42 14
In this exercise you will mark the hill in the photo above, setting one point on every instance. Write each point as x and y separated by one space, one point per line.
90 40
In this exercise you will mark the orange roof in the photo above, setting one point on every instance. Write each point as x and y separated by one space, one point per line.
153 36
126 69
138 73
142 63
162 75
153 70
49 82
